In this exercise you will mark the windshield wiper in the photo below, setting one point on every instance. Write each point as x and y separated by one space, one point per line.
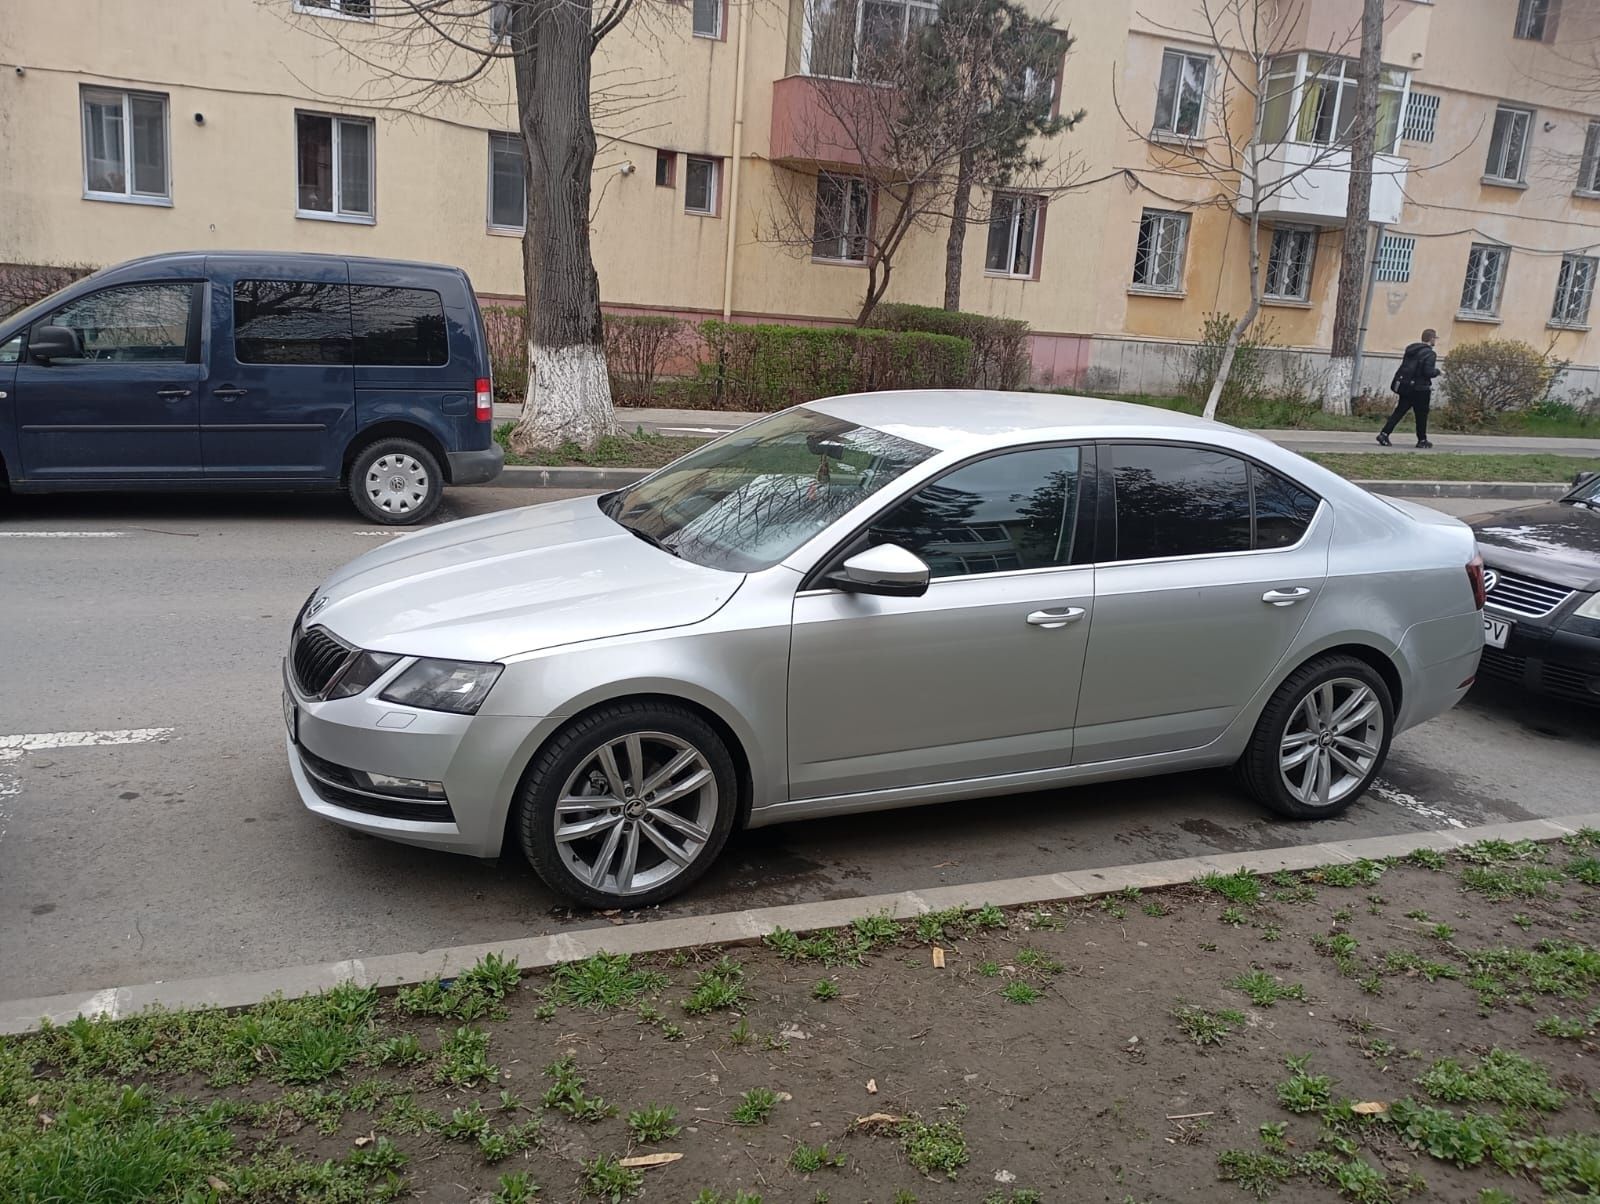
650 539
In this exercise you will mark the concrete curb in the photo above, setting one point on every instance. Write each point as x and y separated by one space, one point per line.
532 953
521 476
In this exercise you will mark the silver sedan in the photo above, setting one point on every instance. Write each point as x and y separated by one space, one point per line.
869 602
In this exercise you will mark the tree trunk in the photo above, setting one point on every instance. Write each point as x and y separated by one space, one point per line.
569 394
1339 387
955 245
1231 346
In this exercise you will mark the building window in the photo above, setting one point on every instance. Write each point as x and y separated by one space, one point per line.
359 10
1158 261
125 146
1013 235
844 210
666 168
1589 169
1508 145
850 39
508 198
708 18
700 185
1486 273
499 21
1312 98
1181 95
1289 263
334 158
1536 19
1574 291
1394 258
1422 116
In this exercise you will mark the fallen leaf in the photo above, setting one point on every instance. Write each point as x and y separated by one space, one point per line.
1370 1108
938 958
645 1161
878 1118
367 1140
615 911
217 1185
872 1086
784 1097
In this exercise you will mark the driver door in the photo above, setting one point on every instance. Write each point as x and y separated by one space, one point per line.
977 677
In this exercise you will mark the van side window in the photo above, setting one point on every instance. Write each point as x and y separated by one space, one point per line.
398 326
133 323
11 349
291 322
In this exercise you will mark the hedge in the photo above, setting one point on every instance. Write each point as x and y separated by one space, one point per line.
766 367
1000 357
507 330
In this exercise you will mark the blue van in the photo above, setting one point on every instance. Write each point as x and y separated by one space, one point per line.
253 371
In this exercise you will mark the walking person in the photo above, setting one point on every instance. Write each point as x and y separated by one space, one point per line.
1413 380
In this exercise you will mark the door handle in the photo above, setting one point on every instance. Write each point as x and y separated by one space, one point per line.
1051 619
228 392
1285 597
173 394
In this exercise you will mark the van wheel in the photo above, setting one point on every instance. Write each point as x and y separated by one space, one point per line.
395 482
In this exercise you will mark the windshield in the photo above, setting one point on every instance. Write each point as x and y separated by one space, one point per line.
1588 493
746 501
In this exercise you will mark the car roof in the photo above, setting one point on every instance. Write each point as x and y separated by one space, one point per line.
973 419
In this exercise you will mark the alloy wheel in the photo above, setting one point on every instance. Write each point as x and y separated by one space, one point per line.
1331 741
397 483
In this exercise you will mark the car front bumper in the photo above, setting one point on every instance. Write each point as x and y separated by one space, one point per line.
1548 659
476 467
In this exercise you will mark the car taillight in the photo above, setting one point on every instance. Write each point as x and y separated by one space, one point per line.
1480 592
485 408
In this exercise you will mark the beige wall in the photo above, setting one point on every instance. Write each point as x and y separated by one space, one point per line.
248 64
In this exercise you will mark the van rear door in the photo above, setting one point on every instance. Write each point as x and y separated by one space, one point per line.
279 401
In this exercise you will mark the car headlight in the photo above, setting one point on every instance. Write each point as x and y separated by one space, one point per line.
1591 608
455 686
363 671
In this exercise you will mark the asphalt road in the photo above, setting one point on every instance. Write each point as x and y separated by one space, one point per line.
188 854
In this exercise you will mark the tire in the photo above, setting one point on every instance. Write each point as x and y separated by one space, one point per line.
572 765
395 482
1295 788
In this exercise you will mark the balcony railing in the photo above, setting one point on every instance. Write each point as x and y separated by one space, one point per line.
1309 183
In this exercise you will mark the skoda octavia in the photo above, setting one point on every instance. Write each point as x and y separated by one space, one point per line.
868 602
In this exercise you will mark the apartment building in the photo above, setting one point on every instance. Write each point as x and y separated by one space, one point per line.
304 125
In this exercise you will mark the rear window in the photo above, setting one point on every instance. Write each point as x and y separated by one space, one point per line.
1179 501
291 322
398 326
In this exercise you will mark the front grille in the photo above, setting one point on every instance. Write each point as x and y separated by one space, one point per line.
1525 596
317 658
1499 663
334 784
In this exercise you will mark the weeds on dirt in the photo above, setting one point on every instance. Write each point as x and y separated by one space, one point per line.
1499 883
1499 1077
1303 1092
808 1159
1021 992
1241 886
1259 1174
754 1106
1264 990
825 989
654 1124
1428 859
739 1197
464 1058
717 988
1506 975
602 981
1039 963
604 1178
1585 870
1351 874
934 1148
1500 852
473 994
1207 1028
404 1050
1403 961
566 1094
1234 917
1569 1029
515 1187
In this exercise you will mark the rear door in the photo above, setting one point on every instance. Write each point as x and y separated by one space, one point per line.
279 401
1208 565
126 408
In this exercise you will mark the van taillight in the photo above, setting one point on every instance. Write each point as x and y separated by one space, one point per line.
1480 593
485 409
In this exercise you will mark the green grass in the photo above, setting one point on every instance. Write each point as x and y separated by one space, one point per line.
654 1124
464 1058
754 1106
641 449
1499 1077
1039 963
605 1179
1499 883
1207 1028
1264 990
515 1187
566 1094
1021 992
936 1148
807 1159
474 993
716 989
825 989
1239 887
1453 466
602 982
1302 1092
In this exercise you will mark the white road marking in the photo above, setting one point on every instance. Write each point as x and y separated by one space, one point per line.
12 748
380 533
1393 794
62 534
694 430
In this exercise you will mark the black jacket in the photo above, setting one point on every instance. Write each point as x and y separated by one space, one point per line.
1416 371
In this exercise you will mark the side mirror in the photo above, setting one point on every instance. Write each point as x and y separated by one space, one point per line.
1583 478
887 569
46 343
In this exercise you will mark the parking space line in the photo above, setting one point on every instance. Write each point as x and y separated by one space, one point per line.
44 741
62 534
1399 798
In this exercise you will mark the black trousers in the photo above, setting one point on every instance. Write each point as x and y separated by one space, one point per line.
1417 401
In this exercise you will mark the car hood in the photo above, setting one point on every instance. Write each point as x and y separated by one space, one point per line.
1559 543
515 581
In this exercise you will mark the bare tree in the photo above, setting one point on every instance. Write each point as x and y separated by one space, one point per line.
22 284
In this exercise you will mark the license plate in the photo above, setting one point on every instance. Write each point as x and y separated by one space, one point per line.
1496 632
291 718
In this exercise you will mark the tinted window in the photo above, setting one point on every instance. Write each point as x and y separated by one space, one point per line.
1016 511
1179 501
398 326
291 322
11 350
138 323
1283 509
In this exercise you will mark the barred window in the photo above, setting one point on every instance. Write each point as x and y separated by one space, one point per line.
1486 273
1394 258
1158 261
1422 116
1574 291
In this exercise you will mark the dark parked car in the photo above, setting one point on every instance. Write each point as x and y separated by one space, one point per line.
252 371
1541 623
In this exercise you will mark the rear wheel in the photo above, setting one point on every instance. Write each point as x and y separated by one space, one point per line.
628 806
1321 739
396 481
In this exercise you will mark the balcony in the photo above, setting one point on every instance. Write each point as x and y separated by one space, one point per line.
1307 183
827 122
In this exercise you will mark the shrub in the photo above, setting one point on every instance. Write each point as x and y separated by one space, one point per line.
639 349
1494 377
1247 378
1000 358
507 328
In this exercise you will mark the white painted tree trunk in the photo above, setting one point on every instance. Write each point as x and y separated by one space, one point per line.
1336 385
569 398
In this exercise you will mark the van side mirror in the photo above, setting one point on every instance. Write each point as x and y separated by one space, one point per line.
888 570
46 343
1583 478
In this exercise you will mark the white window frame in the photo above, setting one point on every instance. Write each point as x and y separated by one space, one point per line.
126 95
338 213
335 9
1561 315
1163 217
1308 237
1544 11
1527 115
500 227
1016 202
929 9
714 185
1169 131
721 9
1395 255
1474 279
852 184
1335 71
1589 167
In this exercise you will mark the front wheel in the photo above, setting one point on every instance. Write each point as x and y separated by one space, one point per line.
396 482
629 805
1321 739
